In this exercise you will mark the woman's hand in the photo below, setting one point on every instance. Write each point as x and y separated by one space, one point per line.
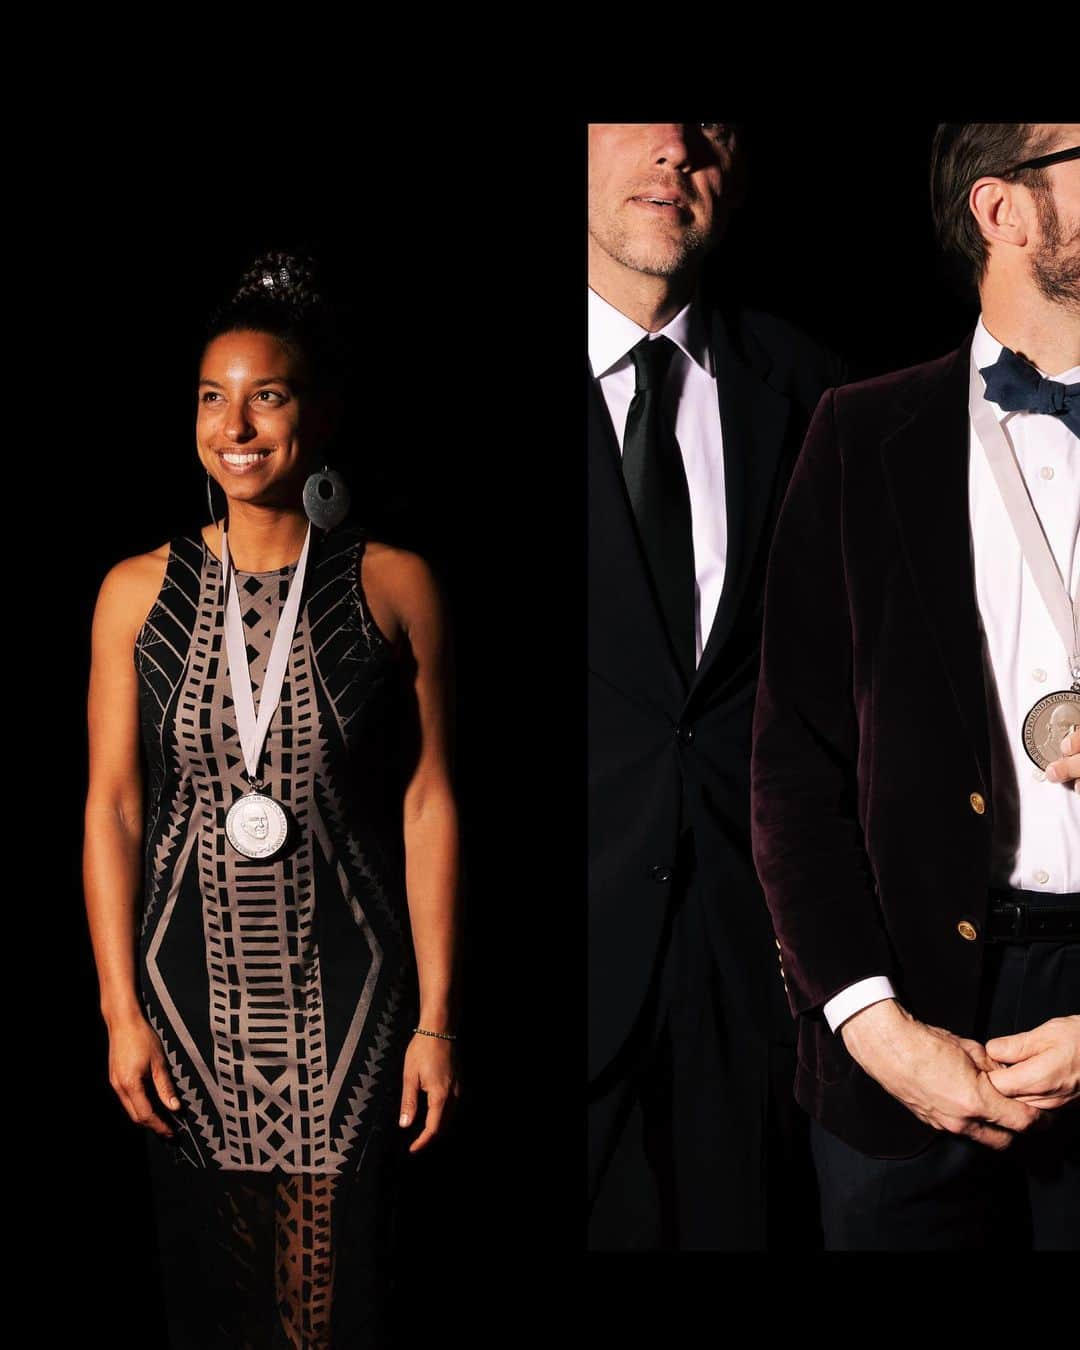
134 1053
429 1065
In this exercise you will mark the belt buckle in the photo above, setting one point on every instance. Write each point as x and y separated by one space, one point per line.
1019 920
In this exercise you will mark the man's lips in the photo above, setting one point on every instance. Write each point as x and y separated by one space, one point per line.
662 203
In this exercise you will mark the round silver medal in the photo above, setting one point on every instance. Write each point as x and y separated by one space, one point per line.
1052 718
256 825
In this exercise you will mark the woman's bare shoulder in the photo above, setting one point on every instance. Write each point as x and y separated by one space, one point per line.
128 590
399 565
400 586
404 575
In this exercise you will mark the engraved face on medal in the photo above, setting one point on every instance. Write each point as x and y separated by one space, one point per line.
1052 718
256 825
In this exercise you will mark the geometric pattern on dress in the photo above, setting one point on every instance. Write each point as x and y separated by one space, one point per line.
304 1258
247 1046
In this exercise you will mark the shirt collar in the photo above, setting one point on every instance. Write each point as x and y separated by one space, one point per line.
612 334
986 349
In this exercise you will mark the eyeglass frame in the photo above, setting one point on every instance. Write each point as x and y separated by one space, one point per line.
1042 161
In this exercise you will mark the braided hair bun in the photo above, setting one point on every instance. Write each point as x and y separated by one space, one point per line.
283 294
285 279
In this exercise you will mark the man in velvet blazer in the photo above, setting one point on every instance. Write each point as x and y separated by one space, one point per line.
898 822
678 928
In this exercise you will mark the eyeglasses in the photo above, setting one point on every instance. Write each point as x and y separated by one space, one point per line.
1041 161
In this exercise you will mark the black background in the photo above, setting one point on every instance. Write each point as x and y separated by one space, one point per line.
465 282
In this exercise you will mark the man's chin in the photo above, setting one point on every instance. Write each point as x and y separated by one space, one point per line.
661 262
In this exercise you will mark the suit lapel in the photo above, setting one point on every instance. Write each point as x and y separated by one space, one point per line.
753 422
926 469
627 638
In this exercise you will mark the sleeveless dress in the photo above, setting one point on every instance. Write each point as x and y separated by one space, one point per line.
283 990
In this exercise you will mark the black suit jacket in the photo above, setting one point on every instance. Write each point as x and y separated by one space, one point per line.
873 794
662 757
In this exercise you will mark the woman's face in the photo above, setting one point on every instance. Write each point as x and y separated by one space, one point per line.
257 429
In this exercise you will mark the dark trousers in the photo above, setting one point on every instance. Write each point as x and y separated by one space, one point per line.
695 1143
958 1195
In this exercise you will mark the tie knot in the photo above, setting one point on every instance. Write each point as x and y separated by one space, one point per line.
651 358
1015 385
1050 397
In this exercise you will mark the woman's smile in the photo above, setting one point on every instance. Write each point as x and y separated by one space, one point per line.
242 461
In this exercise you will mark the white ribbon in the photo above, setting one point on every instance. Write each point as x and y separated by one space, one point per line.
252 731
1063 609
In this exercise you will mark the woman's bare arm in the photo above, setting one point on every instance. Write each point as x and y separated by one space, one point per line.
404 582
113 840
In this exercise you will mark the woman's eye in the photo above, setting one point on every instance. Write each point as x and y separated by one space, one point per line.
717 131
261 396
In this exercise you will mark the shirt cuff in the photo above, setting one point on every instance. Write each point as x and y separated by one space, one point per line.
855 998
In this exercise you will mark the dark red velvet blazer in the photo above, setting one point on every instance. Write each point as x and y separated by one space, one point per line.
871 790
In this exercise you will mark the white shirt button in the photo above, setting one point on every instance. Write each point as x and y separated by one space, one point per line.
1042 876
1038 674
1038 775
1046 472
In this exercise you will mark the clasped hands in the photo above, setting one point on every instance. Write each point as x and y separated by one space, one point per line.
991 1092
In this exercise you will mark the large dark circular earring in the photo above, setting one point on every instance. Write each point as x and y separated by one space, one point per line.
326 498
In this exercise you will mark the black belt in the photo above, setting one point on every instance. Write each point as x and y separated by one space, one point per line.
1027 916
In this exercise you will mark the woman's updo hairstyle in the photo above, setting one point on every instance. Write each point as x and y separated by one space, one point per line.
284 294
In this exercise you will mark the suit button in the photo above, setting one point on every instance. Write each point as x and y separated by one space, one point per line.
977 803
658 873
685 732
966 930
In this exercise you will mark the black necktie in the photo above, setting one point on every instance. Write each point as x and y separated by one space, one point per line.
656 484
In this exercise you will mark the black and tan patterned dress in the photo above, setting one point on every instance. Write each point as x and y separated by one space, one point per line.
283 990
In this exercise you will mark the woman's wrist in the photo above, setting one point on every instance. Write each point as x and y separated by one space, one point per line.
436 1016
436 1019
121 1011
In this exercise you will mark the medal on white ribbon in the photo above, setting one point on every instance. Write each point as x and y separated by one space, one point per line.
256 824
1057 714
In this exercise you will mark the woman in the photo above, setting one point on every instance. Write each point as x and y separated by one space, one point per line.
273 915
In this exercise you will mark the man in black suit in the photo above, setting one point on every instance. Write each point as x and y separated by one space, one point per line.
696 413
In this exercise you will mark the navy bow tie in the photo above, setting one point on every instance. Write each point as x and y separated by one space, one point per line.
1015 385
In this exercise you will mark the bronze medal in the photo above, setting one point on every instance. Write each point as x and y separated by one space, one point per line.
1052 718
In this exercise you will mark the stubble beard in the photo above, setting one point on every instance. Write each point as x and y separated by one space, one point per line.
657 258
1055 266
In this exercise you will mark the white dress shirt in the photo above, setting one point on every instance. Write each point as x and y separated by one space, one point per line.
1036 840
690 400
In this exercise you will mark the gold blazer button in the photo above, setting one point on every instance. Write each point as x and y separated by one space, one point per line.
966 930
977 803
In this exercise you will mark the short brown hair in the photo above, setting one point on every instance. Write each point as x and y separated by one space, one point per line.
963 152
